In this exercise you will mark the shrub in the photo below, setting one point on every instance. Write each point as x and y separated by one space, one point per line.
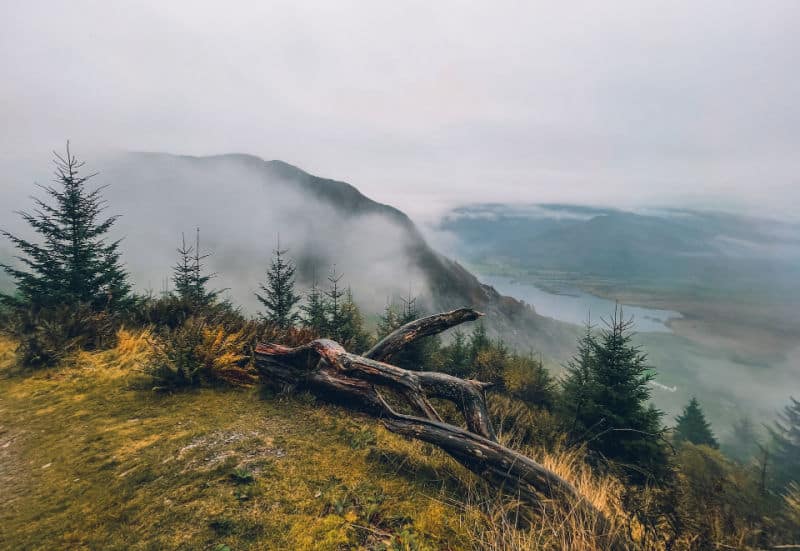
490 363
711 503
171 311
198 352
526 378
518 424
45 336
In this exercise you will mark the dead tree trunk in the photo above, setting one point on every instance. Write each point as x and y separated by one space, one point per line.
325 368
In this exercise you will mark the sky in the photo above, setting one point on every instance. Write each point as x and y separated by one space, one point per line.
425 105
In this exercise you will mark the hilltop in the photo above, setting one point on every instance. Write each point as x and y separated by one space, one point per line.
91 457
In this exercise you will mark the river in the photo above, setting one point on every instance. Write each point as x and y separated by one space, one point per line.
574 305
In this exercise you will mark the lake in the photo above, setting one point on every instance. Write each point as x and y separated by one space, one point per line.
574 305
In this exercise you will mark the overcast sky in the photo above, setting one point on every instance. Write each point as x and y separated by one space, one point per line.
427 104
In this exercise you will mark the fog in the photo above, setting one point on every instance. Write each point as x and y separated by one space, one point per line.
426 105
241 210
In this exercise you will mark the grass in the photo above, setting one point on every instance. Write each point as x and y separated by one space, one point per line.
92 458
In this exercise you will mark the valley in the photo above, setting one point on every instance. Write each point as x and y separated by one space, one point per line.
718 322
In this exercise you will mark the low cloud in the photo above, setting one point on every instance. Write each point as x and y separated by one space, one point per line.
241 209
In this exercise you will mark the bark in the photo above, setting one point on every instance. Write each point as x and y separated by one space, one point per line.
401 337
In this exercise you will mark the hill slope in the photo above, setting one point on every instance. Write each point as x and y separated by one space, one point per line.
243 203
87 462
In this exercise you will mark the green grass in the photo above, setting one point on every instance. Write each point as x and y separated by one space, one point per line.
91 459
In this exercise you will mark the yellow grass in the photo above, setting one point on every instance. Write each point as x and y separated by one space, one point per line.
92 459
496 524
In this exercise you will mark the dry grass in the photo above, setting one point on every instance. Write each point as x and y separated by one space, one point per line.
88 460
792 499
133 350
496 523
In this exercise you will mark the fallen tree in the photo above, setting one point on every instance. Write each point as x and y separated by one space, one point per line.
328 370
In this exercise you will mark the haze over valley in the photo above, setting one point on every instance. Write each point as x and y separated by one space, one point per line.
731 281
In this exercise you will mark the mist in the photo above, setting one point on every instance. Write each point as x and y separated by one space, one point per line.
242 209
427 106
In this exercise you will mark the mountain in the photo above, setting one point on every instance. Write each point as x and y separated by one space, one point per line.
667 244
243 205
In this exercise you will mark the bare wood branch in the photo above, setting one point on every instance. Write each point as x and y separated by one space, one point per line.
423 327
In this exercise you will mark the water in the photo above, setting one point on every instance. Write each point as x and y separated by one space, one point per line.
575 305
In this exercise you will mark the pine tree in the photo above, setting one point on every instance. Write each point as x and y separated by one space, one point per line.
279 298
743 444
611 379
203 295
418 354
75 264
410 311
491 362
786 444
577 384
189 277
693 427
315 311
389 320
335 300
351 332
457 360
478 340
183 272
527 378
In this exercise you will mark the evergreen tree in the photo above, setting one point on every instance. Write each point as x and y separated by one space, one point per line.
526 378
410 311
279 298
577 384
418 354
693 427
457 361
74 264
183 272
478 340
491 362
352 334
389 320
189 277
203 295
786 444
335 298
315 311
743 444
609 381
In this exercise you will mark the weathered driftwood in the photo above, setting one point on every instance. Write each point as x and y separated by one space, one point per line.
325 368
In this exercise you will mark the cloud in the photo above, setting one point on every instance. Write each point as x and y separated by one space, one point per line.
428 105
241 208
